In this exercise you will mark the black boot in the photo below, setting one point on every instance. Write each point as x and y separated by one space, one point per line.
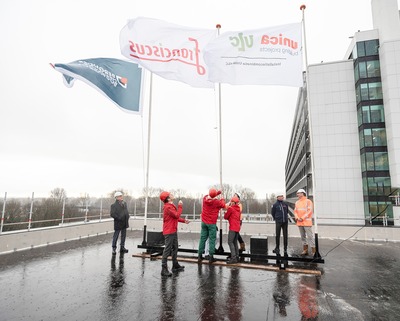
114 250
176 267
164 270
212 259
232 260
123 250
199 259
276 251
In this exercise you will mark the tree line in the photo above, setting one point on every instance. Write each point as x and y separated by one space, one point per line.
59 208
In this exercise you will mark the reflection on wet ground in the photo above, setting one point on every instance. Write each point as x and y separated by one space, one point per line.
81 280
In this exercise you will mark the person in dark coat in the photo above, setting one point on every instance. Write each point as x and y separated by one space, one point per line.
280 215
119 212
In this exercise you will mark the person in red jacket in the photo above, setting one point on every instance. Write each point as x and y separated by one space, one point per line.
171 217
233 216
209 216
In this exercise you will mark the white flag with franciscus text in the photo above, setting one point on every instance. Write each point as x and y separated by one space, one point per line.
168 50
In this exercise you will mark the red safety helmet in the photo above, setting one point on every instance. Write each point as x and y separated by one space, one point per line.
213 192
164 195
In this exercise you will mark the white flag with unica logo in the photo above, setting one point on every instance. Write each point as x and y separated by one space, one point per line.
268 56
168 50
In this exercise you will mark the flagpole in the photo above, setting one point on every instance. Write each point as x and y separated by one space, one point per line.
220 248
2 213
317 254
144 243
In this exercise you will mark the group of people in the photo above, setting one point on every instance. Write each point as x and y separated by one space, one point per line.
209 216
212 204
303 212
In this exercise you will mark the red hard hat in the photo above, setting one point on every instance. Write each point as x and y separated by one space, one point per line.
163 196
212 192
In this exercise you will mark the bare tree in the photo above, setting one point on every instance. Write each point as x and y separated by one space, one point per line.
58 194
179 193
227 190
13 213
152 191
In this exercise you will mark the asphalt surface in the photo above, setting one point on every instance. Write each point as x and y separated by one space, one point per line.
81 280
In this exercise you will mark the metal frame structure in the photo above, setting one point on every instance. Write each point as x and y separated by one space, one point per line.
281 261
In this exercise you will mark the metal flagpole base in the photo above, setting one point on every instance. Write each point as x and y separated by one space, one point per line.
316 254
144 243
220 248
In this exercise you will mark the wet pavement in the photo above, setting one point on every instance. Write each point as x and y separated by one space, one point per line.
81 280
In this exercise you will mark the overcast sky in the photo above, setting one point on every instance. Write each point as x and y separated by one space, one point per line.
76 139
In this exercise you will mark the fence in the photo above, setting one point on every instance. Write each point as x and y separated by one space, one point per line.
84 214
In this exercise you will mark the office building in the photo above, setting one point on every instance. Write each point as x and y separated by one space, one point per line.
346 135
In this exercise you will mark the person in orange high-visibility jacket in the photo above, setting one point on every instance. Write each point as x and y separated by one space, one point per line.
303 212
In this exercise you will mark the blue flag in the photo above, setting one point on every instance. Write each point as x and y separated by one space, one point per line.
120 81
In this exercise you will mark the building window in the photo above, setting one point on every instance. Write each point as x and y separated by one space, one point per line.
371 114
379 137
360 49
380 209
363 92
375 90
360 115
374 161
366 48
379 186
369 91
362 66
356 73
377 114
369 161
366 69
373 68
381 161
367 137
371 47
370 137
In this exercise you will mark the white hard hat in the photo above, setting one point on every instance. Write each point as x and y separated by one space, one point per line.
238 195
302 191
117 194
280 194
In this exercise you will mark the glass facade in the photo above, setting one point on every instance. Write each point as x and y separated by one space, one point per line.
372 132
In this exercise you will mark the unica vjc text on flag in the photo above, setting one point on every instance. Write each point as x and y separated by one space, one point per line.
168 50
268 56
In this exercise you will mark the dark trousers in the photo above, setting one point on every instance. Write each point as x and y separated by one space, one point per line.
233 243
239 236
115 238
171 248
284 227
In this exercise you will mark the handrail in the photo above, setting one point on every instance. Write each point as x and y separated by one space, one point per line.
251 217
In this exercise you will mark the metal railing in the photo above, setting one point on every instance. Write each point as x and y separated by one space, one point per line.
383 220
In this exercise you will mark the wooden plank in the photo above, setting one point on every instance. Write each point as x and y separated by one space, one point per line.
241 265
